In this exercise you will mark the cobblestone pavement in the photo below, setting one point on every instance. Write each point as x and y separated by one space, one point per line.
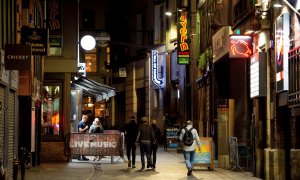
170 166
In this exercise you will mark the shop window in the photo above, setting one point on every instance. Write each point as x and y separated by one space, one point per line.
51 109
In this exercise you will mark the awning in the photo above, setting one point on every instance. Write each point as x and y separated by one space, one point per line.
93 88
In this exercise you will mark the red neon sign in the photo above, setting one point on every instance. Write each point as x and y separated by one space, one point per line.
240 46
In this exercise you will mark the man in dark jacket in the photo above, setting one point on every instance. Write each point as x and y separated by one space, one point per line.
145 138
131 130
154 146
83 128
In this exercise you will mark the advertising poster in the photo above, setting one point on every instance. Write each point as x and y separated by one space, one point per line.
205 156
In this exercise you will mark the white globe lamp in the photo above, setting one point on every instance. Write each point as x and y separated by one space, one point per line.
88 42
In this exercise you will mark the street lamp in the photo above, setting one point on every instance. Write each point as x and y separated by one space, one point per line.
88 42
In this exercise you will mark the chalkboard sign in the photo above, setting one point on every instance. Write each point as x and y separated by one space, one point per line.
171 137
205 157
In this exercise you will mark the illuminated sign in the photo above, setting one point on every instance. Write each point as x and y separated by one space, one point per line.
82 68
258 75
282 33
183 51
154 69
240 46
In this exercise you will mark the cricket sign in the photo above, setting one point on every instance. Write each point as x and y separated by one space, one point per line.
106 144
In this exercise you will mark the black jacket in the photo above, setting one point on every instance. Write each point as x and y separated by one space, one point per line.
131 131
157 132
146 134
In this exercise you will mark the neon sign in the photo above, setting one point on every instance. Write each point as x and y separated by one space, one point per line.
183 51
154 69
240 46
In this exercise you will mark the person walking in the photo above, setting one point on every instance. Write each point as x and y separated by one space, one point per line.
82 128
131 131
189 139
154 146
96 127
145 138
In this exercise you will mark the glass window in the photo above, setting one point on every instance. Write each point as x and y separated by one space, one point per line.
91 61
51 110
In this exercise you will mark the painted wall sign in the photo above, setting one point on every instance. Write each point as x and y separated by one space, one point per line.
156 79
17 57
240 46
183 51
37 38
282 43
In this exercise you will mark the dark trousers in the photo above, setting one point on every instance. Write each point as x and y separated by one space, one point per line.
145 150
154 151
130 150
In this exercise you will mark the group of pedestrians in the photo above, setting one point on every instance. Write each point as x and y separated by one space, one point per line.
146 135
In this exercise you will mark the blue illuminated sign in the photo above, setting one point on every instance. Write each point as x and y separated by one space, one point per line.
154 69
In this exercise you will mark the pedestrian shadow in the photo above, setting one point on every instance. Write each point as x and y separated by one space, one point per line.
127 169
192 177
134 172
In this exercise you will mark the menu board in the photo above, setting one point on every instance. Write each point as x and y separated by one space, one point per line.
205 157
171 137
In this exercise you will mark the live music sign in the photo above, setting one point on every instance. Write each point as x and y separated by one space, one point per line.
17 57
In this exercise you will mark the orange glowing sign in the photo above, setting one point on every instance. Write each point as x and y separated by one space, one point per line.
240 46
183 51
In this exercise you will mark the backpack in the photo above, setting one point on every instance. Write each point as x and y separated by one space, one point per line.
188 137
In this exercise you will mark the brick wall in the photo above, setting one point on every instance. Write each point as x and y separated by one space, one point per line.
53 151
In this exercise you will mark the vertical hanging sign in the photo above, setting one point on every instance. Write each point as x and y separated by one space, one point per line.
282 33
54 22
183 49
154 69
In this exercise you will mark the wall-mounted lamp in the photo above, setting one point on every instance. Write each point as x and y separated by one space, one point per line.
169 13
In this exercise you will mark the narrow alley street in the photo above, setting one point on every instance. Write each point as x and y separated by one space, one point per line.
170 166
